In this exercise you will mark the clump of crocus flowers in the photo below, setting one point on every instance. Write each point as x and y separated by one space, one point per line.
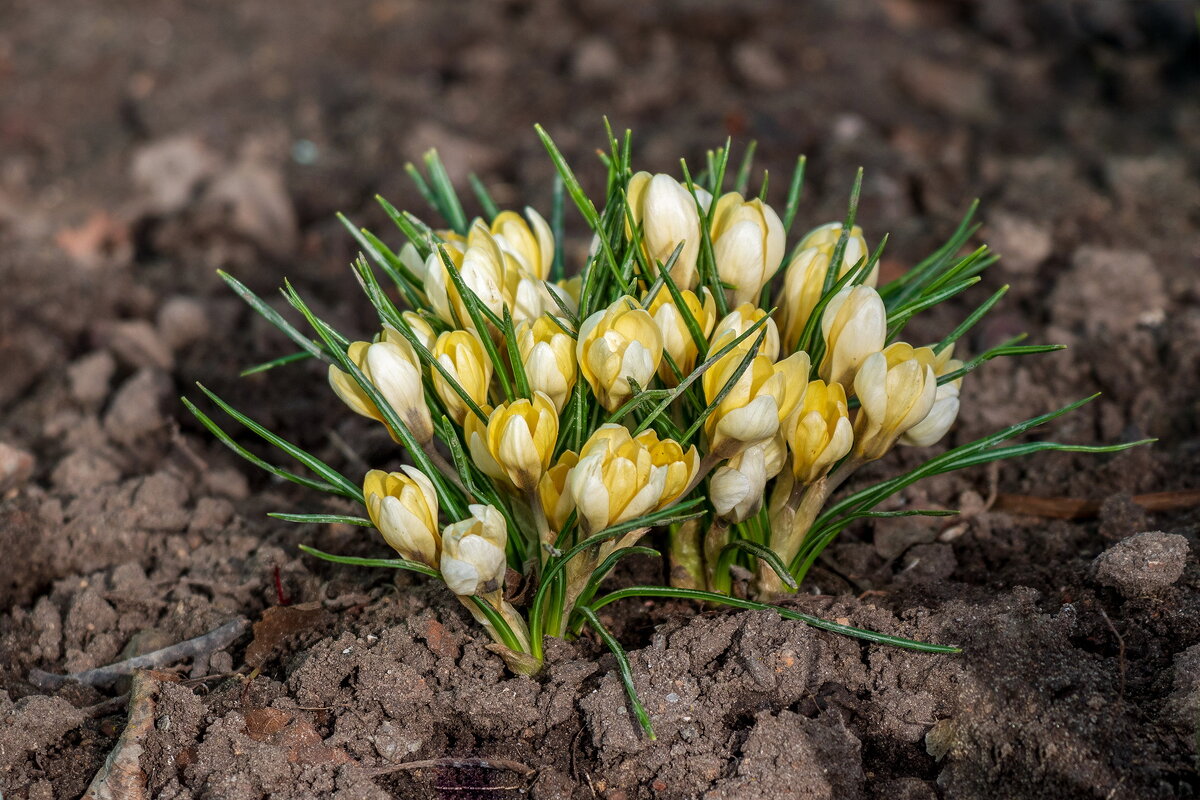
693 378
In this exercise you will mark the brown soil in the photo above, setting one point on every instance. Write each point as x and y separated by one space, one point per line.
145 144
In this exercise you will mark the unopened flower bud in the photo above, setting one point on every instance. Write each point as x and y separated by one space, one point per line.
763 396
854 325
616 345
804 279
403 506
521 436
677 338
530 243
553 493
548 355
896 388
392 367
819 433
737 488
739 320
945 404
420 328
748 243
620 477
667 213
463 356
473 560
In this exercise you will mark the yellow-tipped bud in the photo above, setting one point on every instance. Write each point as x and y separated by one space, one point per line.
548 355
568 291
667 213
530 243
616 345
739 320
473 561
393 368
464 358
677 339
556 499
854 325
763 396
820 433
945 404
475 438
420 328
804 279
896 388
620 477
521 436
480 263
748 242
404 507
737 488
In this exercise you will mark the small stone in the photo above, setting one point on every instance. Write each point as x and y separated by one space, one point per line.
89 377
1022 243
136 409
168 172
160 503
1114 290
137 343
86 468
181 321
212 513
16 466
758 66
1143 563
227 482
595 59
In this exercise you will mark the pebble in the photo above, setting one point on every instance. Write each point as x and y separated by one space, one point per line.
181 321
85 468
136 408
1115 290
16 466
89 377
137 343
1143 563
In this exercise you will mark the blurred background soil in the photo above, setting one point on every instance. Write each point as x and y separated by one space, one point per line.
143 145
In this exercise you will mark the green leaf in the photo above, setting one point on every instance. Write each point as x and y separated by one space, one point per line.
794 193
478 311
742 182
448 203
274 317
227 440
321 519
290 358
390 563
332 477
971 320
742 366
490 209
765 554
623 669
787 613
514 357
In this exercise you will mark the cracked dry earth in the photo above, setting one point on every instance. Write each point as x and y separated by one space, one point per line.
154 143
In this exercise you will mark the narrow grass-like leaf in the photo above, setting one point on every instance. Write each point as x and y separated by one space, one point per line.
623 669
227 440
490 209
478 312
443 188
274 317
356 561
765 554
1006 349
839 249
558 269
794 192
742 366
971 320
899 317
707 261
290 358
673 593
330 475
514 357
742 181
321 519
419 238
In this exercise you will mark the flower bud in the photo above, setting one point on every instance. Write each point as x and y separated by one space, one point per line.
393 368
616 345
677 339
763 396
530 243
820 432
568 291
481 265
945 404
420 328
667 213
473 560
475 438
737 488
548 355
748 242
556 500
464 358
620 477
804 279
739 320
854 325
896 388
521 436
403 506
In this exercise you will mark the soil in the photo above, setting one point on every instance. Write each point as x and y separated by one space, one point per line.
143 145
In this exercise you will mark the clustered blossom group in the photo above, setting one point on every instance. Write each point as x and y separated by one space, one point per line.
775 413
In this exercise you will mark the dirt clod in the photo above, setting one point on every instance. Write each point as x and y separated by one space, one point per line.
1143 563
